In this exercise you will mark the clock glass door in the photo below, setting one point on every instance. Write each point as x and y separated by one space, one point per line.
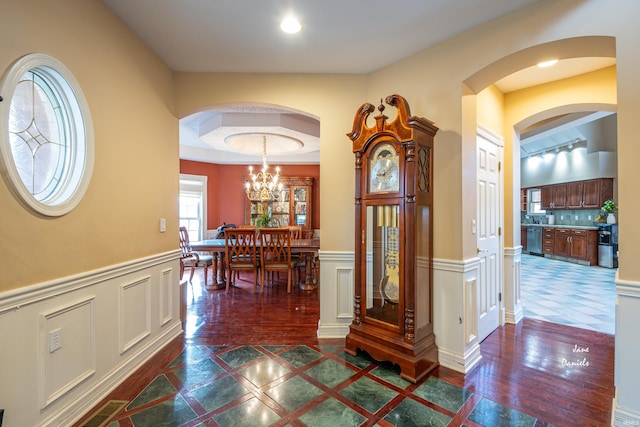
382 272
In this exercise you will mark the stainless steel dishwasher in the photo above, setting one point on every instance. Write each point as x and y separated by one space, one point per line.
534 240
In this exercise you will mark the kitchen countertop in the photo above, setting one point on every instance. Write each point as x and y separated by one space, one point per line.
579 227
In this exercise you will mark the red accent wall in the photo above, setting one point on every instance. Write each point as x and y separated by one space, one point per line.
226 198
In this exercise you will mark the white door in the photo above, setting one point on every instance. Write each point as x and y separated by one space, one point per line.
488 233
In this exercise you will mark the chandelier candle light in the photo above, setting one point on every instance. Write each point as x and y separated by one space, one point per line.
264 186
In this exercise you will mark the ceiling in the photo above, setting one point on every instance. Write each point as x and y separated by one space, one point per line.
244 36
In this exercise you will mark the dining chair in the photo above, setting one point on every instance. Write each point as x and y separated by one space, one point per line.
296 231
275 253
241 253
189 258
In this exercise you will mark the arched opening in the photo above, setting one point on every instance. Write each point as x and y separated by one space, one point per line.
514 113
218 144
222 141
568 147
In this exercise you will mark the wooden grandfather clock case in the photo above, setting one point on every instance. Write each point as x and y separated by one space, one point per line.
393 295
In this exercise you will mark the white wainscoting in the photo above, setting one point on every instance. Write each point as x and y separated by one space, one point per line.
455 302
135 311
106 323
626 405
454 307
69 359
336 294
512 300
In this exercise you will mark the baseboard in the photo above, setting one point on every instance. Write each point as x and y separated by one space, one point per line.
460 363
513 317
332 330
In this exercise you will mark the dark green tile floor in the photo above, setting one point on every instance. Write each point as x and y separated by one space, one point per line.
262 385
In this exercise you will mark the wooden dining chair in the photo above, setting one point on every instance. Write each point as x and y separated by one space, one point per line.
241 253
296 231
191 259
275 253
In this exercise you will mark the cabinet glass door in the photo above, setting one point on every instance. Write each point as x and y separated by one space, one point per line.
280 209
382 260
300 196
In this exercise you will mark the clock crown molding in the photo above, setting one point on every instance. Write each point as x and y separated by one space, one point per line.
400 129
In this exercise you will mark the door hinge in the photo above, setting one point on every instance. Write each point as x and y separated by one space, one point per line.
499 231
499 296
499 166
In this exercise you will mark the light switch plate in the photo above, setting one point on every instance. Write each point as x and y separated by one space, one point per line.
163 225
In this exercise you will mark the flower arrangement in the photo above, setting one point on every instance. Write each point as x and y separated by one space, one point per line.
609 207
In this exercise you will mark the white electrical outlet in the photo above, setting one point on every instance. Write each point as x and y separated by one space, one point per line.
576 217
55 340
589 217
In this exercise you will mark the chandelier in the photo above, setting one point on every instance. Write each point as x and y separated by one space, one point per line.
263 187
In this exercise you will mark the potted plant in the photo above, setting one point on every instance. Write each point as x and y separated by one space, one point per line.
608 209
264 220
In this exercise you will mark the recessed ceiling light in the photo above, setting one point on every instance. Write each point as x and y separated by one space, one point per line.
549 63
290 25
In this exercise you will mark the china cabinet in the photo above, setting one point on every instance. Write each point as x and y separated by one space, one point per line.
393 289
293 205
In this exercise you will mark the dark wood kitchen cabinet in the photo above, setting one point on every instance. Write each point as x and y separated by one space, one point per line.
583 244
576 195
589 194
553 196
548 240
561 247
596 192
576 244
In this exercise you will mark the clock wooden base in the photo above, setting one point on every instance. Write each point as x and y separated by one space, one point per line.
415 360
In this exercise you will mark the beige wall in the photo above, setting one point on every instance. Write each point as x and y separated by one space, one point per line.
334 99
135 178
138 134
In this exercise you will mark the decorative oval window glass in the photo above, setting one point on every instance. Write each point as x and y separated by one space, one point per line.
46 135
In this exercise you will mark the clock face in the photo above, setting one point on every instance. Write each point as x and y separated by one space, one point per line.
383 170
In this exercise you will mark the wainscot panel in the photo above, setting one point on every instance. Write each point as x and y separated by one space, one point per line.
68 342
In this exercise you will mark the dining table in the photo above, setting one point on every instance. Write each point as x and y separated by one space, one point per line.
306 248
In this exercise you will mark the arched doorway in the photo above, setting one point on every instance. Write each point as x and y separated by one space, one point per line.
510 114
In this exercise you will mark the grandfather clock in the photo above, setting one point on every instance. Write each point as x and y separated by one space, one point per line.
393 296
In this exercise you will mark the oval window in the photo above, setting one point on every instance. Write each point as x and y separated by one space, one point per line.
46 135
